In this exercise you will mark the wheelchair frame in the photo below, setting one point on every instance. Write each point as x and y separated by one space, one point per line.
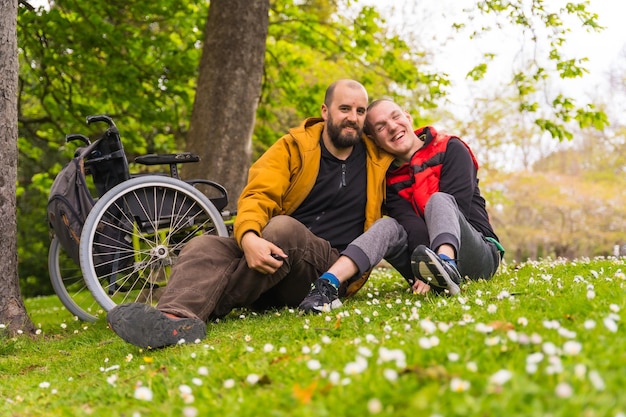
135 230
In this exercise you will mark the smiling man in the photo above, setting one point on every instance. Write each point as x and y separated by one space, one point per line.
314 191
438 231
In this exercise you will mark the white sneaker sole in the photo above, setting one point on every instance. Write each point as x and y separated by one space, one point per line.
427 270
327 307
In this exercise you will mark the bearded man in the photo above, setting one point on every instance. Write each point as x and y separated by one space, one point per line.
313 192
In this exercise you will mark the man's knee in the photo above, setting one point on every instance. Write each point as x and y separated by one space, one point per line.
386 225
440 201
283 228
441 198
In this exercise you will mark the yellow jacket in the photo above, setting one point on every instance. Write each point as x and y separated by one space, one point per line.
280 180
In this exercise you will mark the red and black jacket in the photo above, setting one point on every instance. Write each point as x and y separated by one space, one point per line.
418 179
444 163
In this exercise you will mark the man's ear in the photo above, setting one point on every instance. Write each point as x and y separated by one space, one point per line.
324 112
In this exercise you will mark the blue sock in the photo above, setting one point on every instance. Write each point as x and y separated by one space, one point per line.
448 259
330 278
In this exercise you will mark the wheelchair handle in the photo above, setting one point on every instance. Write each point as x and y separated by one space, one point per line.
77 136
101 118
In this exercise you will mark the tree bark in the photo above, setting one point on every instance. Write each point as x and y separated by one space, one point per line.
228 91
12 310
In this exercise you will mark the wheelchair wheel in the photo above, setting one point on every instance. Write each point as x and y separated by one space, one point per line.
134 233
67 281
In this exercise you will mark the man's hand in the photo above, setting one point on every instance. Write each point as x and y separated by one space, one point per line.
420 287
258 253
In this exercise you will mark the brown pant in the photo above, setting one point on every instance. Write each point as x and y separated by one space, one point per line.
211 276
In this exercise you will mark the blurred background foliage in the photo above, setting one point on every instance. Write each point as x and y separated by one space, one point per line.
138 63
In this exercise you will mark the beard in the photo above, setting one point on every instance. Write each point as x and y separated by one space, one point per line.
342 141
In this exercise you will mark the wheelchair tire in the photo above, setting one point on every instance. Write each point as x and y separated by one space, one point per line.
69 285
133 234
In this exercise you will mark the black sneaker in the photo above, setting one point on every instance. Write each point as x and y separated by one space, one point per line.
145 326
442 276
323 297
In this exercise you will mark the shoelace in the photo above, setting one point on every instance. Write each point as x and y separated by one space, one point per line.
324 289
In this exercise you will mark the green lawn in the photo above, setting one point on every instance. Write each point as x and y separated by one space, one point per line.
541 339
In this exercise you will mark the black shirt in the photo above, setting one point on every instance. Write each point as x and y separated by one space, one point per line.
335 208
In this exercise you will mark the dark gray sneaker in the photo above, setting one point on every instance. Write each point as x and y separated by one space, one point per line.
442 276
323 297
146 327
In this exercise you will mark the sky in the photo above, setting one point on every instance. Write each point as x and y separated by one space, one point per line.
456 54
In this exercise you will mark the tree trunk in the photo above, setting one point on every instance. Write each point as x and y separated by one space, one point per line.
228 91
12 311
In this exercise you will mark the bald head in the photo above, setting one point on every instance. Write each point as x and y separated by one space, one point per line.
348 84
368 128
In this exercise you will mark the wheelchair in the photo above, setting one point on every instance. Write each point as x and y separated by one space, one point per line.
139 223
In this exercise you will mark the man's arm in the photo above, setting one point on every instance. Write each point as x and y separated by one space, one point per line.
458 175
260 200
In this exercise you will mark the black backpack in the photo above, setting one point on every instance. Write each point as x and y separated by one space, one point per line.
70 200
69 204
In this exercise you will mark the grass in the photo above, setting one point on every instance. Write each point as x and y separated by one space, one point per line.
541 339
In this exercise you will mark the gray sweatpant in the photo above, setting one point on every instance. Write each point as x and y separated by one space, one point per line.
387 239
476 257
